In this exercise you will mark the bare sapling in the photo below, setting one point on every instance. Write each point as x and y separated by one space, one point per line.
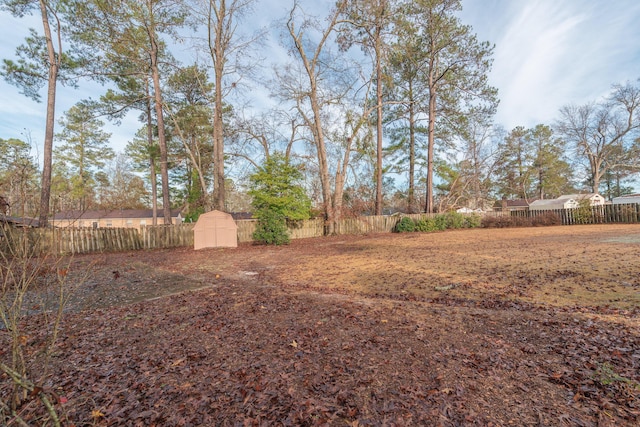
34 291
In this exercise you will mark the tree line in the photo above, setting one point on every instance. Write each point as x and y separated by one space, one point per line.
378 104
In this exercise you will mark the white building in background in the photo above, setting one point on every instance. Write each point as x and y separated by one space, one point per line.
567 201
594 198
629 198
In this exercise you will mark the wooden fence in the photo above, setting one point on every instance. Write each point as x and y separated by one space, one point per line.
88 240
70 240
316 227
166 236
607 214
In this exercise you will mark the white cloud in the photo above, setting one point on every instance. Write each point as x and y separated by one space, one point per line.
549 53
529 59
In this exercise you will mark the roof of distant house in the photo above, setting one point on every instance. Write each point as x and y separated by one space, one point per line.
112 214
577 196
551 203
20 221
514 203
241 215
629 196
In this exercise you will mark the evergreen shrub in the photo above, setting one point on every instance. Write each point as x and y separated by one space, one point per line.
405 225
271 228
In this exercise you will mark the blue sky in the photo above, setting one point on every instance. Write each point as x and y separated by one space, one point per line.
548 53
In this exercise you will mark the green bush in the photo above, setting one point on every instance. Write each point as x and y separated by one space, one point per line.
454 220
271 228
583 213
405 225
421 225
426 225
472 221
440 222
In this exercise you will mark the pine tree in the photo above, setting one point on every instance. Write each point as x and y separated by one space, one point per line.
84 151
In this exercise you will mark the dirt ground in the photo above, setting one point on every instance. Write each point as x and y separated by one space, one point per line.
529 326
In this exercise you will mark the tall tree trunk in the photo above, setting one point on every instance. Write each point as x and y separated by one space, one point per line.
54 66
152 160
329 214
162 142
412 151
596 172
378 125
218 52
430 149
219 194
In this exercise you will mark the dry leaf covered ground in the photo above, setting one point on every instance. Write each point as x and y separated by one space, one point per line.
531 326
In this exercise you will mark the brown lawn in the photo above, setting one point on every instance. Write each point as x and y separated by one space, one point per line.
530 326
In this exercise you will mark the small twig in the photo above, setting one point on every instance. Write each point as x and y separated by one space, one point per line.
15 417
30 387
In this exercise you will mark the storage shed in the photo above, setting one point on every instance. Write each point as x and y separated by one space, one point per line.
215 229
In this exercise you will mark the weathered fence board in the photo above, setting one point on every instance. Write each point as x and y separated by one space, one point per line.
246 227
79 240
167 236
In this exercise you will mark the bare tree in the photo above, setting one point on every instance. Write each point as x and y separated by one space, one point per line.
321 86
478 157
312 60
227 48
605 134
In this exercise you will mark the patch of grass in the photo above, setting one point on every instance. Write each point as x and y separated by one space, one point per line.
606 375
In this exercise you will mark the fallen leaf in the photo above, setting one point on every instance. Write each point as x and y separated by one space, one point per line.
96 413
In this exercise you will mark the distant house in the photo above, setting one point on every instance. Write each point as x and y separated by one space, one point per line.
552 204
594 198
241 215
121 218
512 205
466 210
16 221
629 198
567 201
